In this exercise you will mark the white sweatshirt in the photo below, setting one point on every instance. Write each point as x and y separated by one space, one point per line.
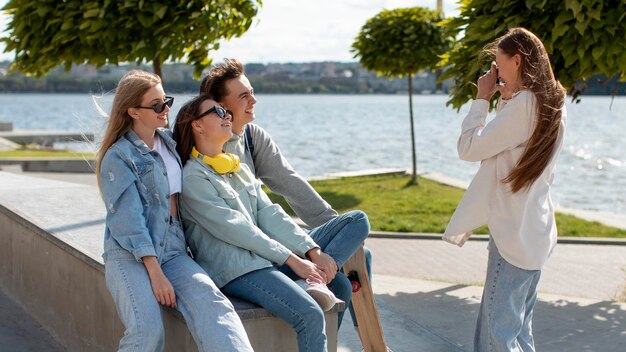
521 224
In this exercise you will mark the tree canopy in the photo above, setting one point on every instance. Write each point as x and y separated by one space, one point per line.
397 42
582 37
400 42
48 33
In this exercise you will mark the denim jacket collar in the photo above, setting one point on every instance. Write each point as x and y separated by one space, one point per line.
142 147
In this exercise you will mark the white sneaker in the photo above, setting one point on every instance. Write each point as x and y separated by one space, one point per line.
320 293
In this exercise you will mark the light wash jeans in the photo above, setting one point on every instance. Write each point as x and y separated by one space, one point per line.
275 290
210 316
506 310
281 296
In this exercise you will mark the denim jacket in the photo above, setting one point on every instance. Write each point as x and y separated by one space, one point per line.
231 225
135 190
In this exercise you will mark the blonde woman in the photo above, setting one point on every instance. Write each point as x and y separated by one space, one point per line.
510 193
146 264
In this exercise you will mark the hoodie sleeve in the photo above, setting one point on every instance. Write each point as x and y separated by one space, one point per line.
275 172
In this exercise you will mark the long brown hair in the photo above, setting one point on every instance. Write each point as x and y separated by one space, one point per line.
537 76
183 131
129 92
215 82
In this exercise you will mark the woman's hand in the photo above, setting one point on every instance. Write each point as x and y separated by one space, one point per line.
161 286
506 92
487 83
324 262
305 269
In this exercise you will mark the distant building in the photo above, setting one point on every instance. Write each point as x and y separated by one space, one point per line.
84 71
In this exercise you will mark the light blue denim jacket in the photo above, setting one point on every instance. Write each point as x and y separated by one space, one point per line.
231 225
135 190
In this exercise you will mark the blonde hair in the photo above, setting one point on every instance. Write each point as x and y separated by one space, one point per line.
129 93
537 76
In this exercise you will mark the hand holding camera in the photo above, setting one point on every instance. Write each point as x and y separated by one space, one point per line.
488 83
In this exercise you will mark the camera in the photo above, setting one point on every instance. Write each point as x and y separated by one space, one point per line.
498 81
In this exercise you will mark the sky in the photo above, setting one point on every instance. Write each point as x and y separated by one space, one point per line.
300 30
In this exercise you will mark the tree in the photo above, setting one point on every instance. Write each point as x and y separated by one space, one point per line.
401 42
48 33
582 38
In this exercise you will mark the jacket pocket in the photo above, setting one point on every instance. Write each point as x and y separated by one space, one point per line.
227 193
145 175
252 196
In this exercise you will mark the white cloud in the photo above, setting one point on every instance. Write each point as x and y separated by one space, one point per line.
302 30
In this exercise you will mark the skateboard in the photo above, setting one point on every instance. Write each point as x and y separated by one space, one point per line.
370 329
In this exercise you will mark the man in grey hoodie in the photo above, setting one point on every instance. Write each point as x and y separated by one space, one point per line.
229 86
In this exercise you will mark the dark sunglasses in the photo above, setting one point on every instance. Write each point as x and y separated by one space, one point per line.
220 111
158 108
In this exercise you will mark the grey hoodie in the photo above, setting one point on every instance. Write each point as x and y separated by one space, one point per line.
269 166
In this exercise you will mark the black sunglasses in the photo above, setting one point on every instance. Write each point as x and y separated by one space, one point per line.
220 111
158 108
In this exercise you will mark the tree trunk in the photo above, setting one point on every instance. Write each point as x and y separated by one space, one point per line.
156 66
413 180
438 84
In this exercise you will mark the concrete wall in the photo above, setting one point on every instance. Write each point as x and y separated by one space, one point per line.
52 164
50 262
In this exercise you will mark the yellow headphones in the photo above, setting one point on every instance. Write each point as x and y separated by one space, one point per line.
222 163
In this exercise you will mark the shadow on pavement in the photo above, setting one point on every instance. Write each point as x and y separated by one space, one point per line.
560 324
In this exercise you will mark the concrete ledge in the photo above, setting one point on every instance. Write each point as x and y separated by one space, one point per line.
45 138
6 144
74 165
478 237
360 173
50 263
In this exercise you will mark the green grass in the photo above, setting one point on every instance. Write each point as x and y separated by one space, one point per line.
43 153
393 206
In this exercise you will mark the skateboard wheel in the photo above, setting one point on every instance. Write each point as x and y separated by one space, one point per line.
356 286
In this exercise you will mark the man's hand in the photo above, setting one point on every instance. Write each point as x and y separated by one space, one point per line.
324 262
305 269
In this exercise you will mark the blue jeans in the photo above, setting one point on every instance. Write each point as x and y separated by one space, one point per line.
210 316
506 310
339 238
281 296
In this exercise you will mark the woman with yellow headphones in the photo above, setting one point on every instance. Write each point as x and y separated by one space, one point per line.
249 246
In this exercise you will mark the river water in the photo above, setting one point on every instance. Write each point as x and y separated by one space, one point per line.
332 133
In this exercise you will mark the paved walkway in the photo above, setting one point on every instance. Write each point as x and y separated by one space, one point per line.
428 293
428 288
19 332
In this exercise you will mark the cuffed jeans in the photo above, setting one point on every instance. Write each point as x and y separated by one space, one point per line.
281 296
340 238
506 310
210 316
275 290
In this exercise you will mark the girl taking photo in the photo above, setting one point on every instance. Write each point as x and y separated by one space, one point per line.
510 193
